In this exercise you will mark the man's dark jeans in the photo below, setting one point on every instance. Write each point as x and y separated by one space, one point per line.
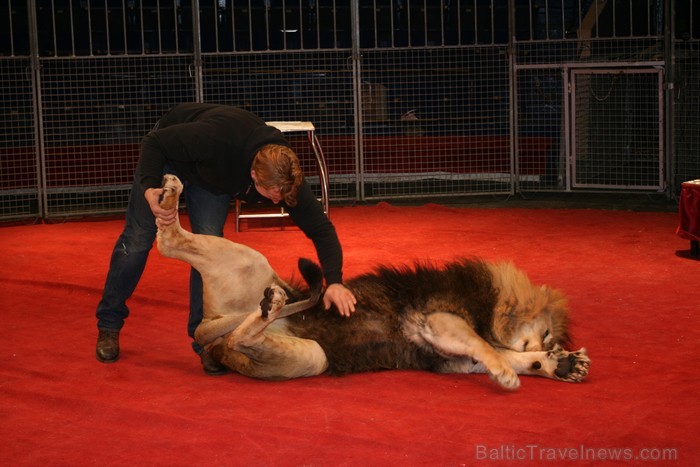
207 213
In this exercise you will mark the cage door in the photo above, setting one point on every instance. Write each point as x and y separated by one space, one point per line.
617 129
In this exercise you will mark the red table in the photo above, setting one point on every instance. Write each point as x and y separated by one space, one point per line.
689 215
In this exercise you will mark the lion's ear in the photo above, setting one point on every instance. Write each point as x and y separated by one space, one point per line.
557 297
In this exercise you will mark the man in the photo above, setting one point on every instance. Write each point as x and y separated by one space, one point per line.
219 152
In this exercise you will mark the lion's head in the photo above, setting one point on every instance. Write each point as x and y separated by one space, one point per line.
526 317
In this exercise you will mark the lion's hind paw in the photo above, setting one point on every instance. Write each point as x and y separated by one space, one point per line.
172 187
272 302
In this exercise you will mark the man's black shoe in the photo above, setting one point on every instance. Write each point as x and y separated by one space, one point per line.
211 366
107 350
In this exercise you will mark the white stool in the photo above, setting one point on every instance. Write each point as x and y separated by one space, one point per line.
291 127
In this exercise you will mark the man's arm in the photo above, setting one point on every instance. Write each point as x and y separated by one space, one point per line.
157 147
182 142
149 170
309 216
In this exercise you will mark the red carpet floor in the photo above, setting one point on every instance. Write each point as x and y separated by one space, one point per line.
634 298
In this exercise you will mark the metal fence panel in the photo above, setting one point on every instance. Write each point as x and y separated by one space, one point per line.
255 25
617 121
94 113
685 93
19 177
590 142
312 86
435 122
686 124
541 121
79 28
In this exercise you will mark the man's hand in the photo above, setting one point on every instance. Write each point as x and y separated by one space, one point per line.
164 217
341 297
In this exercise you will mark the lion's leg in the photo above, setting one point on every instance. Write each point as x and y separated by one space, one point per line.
452 337
210 329
216 257
256 351
557 363
233 275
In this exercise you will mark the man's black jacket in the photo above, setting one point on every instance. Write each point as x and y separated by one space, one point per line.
213 146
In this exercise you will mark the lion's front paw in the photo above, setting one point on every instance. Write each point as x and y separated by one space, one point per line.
571 366
506 376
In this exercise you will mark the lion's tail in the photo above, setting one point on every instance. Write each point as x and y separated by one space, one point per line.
313 275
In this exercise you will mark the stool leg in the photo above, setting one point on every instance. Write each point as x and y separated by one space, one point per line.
237 214
322 169
694 248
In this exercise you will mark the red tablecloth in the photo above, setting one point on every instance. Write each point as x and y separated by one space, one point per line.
689 211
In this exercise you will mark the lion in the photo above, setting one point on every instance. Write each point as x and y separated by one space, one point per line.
467 316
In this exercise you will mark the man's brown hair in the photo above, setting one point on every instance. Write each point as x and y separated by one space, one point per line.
277 166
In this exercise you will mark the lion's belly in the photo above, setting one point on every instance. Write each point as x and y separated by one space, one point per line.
365 341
